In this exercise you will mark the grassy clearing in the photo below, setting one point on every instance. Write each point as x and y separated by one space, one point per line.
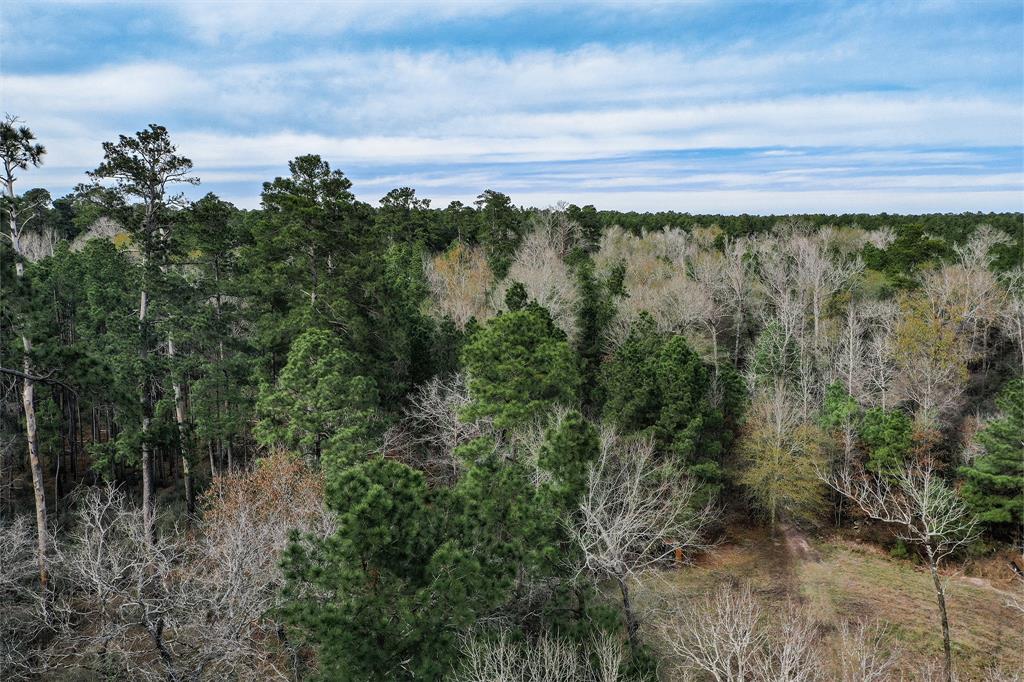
843 580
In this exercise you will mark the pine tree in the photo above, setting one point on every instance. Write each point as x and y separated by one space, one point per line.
569 448
994 485
656 383
888 436
386 597
321 404
520 365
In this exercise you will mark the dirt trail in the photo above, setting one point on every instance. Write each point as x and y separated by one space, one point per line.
797 544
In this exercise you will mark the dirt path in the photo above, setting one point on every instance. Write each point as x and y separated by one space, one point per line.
797 544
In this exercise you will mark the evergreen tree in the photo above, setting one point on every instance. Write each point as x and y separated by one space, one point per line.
656 383
569 448
142 168
594 311
386 597
994 482
321 404
501 229
887 436
519 365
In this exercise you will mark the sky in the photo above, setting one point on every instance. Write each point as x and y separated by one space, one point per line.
703 106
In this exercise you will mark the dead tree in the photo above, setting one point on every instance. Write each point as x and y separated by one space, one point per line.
927 512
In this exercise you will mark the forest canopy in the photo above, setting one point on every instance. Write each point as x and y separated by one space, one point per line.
324 439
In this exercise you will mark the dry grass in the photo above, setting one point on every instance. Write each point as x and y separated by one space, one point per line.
840 580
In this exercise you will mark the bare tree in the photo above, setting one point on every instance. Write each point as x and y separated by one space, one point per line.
459 280
719 635
120 586
539 266
499 659
880 366
432 428
1011 317
850 354
737 287
969 297
928 513
184 608
18 151
881 238
634 513
23 616
863 653
819 275
792 651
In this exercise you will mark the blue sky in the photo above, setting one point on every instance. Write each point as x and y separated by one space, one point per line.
699 106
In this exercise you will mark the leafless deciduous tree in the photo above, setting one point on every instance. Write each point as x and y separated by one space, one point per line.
432 428
540 268
459 280
1011 317
928 513
634 513
880 367
850 354
728 636
182 608
793 648
970 298
116 594
863 653
719 635
23 610
499 659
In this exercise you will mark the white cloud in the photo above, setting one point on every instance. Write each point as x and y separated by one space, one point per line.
217 22
486 114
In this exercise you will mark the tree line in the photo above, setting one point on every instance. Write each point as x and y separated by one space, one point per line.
323 438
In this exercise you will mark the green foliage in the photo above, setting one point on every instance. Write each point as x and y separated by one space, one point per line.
590 225
594 310
387 595
899 550
839 409
911 249
994 482
516 297
501 519
569 449
519 366
656 383
501 228
780 469
887 436
776 356
320 403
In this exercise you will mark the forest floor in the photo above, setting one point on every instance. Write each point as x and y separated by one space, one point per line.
838 578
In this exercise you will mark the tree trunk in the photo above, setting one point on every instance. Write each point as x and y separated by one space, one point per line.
31 435
179 416
156 633
940 595
632 626
28 404
148 505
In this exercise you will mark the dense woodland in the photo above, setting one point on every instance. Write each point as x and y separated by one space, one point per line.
327 440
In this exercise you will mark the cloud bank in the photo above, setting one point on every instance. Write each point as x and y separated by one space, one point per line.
879 114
